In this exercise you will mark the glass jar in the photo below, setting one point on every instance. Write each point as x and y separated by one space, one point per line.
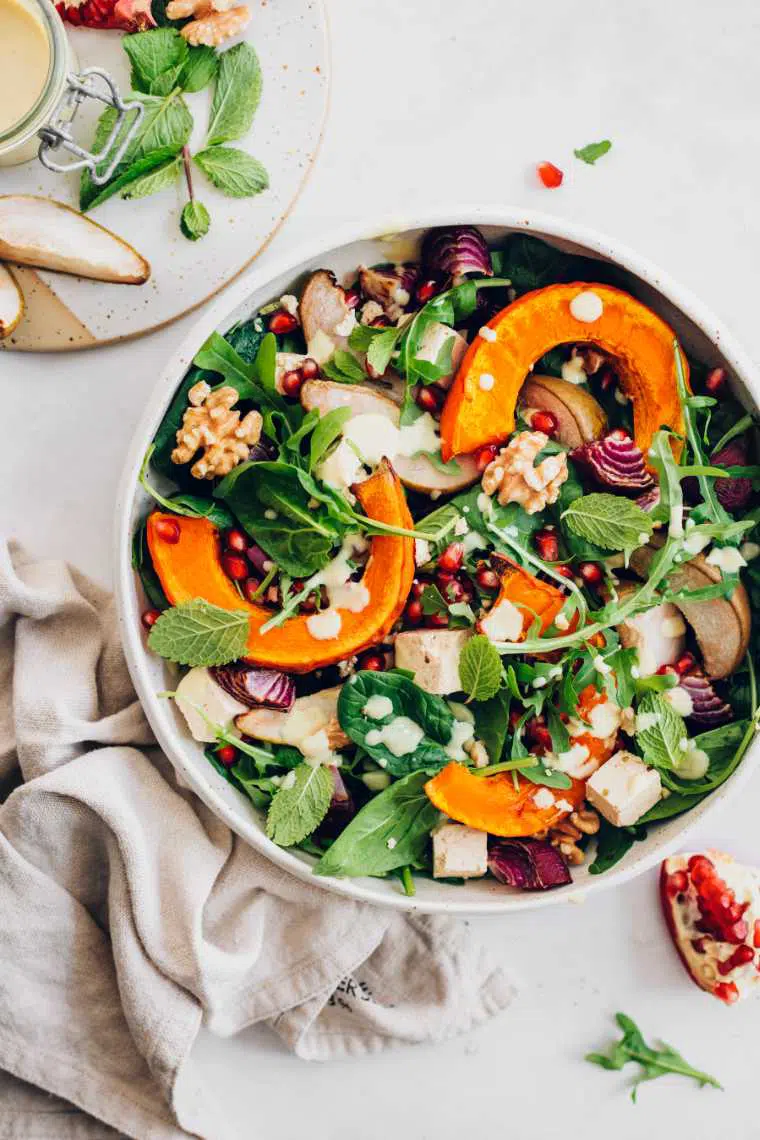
21 142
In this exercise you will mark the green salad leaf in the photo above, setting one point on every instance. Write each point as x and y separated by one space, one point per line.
235 173
661 741
392 830
593 151
194 220
155 55
480 668
609 521
199 633
236 95
300 804
654 1062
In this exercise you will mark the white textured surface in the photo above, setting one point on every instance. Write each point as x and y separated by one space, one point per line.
467 100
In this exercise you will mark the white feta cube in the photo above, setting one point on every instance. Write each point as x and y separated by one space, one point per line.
433 656
624 789
459 852
198 694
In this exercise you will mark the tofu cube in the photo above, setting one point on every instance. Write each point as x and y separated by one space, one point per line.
433 656
459 852
623 789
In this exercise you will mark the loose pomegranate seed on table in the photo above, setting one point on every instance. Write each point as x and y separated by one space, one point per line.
237 541
235 567
227 755
544 421
149 618
550 175
547 544
292 383
452 556
168 530
282 322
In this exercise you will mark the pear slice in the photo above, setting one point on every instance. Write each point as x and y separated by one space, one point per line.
580 418
48 235
11 303
415 471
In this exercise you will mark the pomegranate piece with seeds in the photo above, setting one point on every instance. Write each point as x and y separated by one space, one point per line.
124 15
712 907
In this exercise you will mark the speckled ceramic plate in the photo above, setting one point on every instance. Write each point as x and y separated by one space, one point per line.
290 37
699 332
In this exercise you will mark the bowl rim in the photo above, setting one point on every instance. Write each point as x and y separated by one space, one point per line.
213 317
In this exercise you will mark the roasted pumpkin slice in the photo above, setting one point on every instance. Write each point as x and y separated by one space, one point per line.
479 412
497 804
192 568
534 598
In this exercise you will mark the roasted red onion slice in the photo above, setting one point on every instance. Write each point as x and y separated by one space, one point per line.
392 288
528 864
616 462
707 707
254 687
456 250
733 493
341 811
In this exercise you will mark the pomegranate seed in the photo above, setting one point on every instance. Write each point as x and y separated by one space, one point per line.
665 669
374 662
426 290
456 591
227 755
310 369
727 992
168 530
417 588
487 579
282 322
591 573
565 571
539 736
249 589
677 883
353 297
235 567
550 175
607 378
149 618
684 663
715 381
485 456
308 605
236 540
547 544
451 559
741 956
544 421
437 621
380 322
756 935
291 383
430 399
413 613
700 944
515 715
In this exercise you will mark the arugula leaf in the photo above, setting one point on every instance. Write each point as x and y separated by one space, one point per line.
299 807
480 668
654 1062
194 220
391 830
593 151
199 69
154 53
236 94
431 713
152 180
344 368
325 433
661 743
199 633
235 173
609 521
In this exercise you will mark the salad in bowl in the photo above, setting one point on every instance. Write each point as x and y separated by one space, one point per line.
453 558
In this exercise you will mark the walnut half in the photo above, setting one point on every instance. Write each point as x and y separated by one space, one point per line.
211 424
518 479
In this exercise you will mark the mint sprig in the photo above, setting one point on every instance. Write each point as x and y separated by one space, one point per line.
199 633
609 521
480 669
299 806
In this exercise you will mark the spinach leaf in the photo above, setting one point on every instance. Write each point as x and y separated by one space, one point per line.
431 713
142 563
612 843
725 746
236 94
391 830
246 338
492 723
235 173
675 804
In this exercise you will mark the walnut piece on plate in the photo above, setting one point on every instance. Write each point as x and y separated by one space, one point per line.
211 424
213 22
518 479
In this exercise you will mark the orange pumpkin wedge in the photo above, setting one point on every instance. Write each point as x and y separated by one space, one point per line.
498 804
534 597
192 568
476 414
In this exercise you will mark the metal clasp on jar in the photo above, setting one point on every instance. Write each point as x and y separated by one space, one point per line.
92 83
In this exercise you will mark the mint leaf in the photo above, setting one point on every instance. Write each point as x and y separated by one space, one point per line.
152 54
661 742
592 151
199 633
199 69
654 1062
153 180
480 669
194 220
235 173
298 808
609 521
236 94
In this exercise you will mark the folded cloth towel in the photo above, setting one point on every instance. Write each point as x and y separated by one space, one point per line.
130 913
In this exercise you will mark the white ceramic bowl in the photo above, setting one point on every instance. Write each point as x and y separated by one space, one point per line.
342 252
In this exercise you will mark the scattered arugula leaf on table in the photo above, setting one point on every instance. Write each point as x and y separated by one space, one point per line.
199 633
593 151
654 1062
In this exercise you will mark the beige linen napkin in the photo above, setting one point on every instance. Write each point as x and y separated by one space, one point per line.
129 913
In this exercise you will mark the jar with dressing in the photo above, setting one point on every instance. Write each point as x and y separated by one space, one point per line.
41 92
